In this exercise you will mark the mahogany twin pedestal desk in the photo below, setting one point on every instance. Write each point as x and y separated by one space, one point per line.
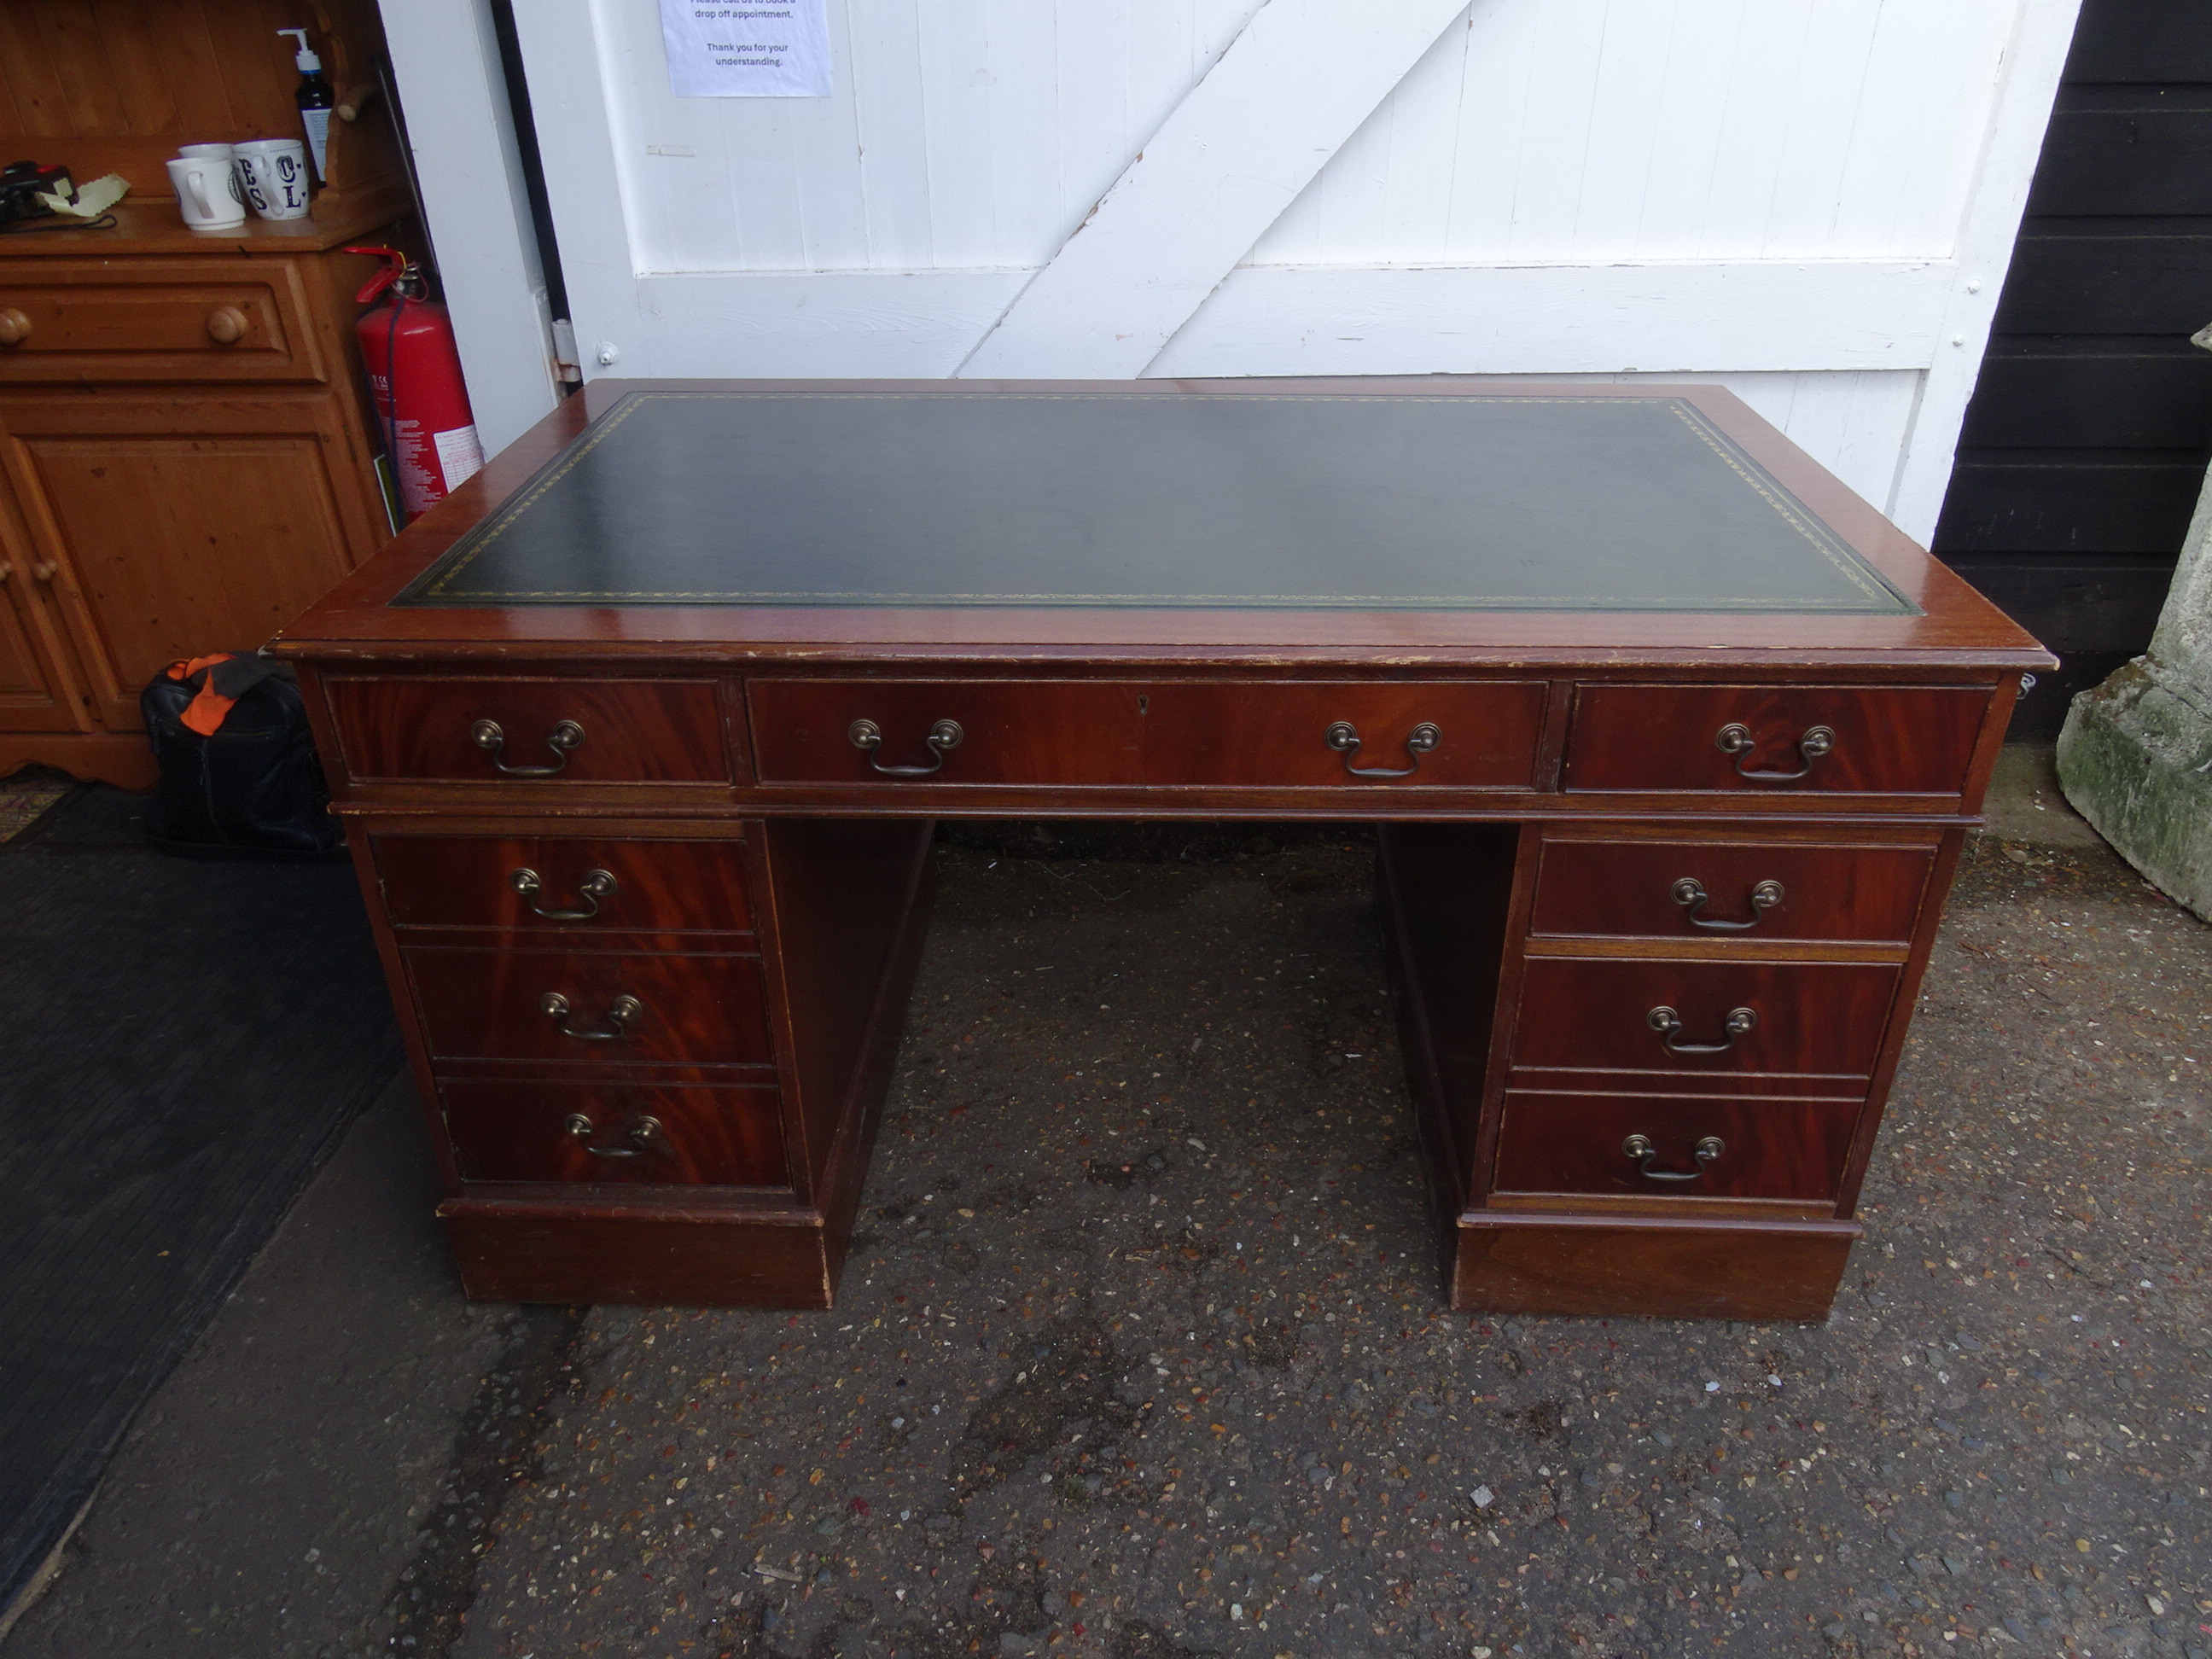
1672 740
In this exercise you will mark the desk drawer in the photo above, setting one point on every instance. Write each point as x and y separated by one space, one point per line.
1009 731
1238 734
1572 1143
677 1134
1809 1017
550 733
688 1010
1769 739
184 319
540 883
1260 733
1599 887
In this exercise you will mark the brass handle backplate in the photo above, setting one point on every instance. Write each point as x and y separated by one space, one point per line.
1690 893
620 1013
643 1133
564 736
227 324
1343 736
1669 1024
597 885
1736 740
1640 1148
943 737
15 327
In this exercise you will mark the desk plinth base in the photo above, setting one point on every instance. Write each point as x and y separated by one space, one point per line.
1630 1266
696 1260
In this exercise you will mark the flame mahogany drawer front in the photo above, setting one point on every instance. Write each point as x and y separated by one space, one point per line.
1774 739
605 1006
1594 887
1009 732
668 1133
1406 734
1674 1146
1811 1017
533 733
662 886
1255 734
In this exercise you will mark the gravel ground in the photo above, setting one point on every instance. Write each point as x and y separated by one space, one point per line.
1140 1352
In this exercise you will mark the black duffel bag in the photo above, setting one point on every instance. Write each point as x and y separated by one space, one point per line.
239 774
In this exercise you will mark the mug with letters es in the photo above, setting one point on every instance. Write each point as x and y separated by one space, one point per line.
208 195
274 171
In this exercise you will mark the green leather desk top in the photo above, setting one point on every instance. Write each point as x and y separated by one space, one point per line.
1297 501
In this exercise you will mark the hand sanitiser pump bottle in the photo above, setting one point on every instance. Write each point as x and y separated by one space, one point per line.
315 98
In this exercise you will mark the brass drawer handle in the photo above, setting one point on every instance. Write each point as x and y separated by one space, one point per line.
564 736
15 327
1690 893
620 1013
227 324
1343 736
1669 1024
597 885
44 571
645 1132
868 737
1640 1148
1735 739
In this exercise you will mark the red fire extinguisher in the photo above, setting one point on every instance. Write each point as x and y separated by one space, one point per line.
415 378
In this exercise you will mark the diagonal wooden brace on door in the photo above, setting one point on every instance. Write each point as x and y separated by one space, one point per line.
1291 87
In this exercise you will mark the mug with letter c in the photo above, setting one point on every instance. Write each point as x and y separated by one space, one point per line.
275 176
207 190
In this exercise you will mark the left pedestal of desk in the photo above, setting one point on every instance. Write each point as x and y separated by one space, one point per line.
653 1043
655 1062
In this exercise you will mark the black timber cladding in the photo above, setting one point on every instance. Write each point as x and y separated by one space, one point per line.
2088 438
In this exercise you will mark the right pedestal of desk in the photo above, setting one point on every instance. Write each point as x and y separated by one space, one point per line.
1650 1058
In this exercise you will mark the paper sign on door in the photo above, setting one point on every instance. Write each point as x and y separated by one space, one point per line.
768 49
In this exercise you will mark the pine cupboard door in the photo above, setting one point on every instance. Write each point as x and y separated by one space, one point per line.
183 524
36 692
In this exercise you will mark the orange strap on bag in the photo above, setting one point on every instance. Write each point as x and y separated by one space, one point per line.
206 713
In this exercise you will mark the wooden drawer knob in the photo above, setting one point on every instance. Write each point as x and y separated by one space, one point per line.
15 327
227 325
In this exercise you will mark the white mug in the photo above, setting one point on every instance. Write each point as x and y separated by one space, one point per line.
223 153
275 175
207 192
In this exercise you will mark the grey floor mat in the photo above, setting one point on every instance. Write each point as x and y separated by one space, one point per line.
180 1043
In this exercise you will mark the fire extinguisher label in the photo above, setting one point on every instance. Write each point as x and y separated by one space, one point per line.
461 456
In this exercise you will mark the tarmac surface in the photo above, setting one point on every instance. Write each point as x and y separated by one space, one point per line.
1139 1352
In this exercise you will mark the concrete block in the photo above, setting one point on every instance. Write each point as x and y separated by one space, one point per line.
2136 755
2136 760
